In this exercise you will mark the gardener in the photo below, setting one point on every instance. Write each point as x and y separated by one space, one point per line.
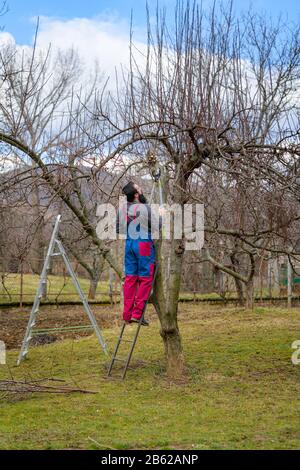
134 219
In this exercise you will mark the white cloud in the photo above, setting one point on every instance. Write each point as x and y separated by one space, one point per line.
6 39
105 41
101 40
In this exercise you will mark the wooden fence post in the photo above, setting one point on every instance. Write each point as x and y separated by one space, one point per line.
289 283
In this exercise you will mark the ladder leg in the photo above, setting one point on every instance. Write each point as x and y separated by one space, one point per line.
38 295
139 325
132 348
116 350
127 361
82 297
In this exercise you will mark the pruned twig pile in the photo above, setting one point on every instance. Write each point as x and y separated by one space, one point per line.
35 386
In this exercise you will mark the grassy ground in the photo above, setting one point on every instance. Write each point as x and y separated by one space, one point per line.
59 288
241 389
62 289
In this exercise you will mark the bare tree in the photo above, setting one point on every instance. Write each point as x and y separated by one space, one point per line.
209 93
44 119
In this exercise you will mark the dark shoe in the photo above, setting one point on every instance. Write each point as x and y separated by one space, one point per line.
143 322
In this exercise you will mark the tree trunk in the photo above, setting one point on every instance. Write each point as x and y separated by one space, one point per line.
249 291
237 281
98 266
173 346
166 305
93 288
169 255
240 293
39 233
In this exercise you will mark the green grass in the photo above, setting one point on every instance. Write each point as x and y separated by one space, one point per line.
62 289
241 390
56 285
229 295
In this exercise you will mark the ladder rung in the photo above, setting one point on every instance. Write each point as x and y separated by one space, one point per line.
127 340
67 329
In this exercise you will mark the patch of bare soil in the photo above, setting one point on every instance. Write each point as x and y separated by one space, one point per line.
13 322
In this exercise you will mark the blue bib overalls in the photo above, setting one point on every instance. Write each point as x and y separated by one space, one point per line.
139 264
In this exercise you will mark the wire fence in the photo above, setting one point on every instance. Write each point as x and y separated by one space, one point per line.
19 279
19 283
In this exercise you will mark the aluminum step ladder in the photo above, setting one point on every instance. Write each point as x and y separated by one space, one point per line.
127 359
56 249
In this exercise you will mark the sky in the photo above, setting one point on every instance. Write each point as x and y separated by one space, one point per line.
19 19
99 29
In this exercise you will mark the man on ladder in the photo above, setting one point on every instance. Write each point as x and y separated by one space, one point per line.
138 224
136 220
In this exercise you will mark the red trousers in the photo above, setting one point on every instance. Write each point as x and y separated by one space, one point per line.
139 270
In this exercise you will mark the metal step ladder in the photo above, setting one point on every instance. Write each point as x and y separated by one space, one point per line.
56 249
126 360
